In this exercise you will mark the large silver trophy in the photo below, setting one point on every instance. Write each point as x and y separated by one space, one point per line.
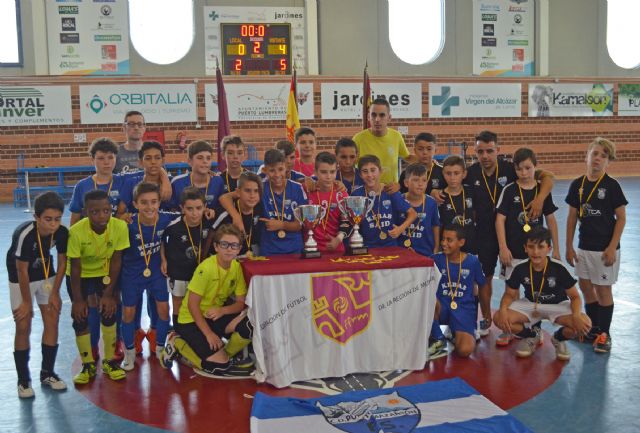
355 208
310 216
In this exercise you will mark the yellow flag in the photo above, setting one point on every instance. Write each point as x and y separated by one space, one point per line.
293 121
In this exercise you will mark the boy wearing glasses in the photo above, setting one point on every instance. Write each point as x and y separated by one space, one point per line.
134 129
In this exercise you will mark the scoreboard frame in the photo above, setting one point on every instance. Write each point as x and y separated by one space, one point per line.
249 49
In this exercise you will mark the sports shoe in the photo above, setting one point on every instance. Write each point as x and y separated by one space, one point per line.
228 373
95 351
53 381
602 343
87 373
504 339
562 351
113 370
527 346
483 328
590 336
167 355
138 338
437 349
242 360
118 354
151 338
25 390
129 361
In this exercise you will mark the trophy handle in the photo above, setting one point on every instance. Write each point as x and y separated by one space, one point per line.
370 205
324 211
342 209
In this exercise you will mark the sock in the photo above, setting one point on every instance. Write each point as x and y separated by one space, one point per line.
109 340
436 332
137 320
187 352
84 347
152 311
174 319
559 335
526 333
119 322
128 329
161 332
605 313
592 311
48 357
94 326
537 325
21 358
235 344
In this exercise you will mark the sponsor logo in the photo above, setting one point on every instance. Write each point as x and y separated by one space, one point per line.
517 9
486 7
517 18
446 100
105 10
68 10
97 104
489 17
20 102
518 42
599 99
107 38
68 24
69 38
488 29
287 15
488 42
351 100
213 15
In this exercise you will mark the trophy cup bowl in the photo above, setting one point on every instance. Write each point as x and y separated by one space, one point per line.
309 215
355 208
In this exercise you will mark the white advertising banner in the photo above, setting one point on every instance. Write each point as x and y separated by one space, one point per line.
88 37
503 38
629 100
344 100
329 324
158 102
258 101
475 100
35 105
561 100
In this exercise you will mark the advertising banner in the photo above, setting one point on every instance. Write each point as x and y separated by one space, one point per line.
561 100
344 100
35 105
629 100
475 100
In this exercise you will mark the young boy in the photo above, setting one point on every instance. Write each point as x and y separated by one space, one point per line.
423 232
459 284
424 147
141 269
547 283
182 248
281 232
289 151
206 316
234 155
379 227
95 256
597 201
306 143
199 158
347 155
32 273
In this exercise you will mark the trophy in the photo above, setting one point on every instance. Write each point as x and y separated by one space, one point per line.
355 208
309 216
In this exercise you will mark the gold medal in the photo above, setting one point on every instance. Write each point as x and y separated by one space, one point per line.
454 305
147 272
281 234
47 287
407 243
106 280
526 228
383 235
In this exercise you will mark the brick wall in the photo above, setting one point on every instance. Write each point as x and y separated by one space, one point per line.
559 141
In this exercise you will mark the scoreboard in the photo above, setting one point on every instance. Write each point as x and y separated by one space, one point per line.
256 49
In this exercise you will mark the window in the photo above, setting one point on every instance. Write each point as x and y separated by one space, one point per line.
622 43
10 47
161 30
416 30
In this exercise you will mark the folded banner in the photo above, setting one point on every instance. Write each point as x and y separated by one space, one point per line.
443 406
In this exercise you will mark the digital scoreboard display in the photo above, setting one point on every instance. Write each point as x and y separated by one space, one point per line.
256 49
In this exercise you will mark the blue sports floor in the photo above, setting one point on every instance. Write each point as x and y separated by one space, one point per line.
594 393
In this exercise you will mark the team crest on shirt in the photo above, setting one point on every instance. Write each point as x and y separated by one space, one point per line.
469 202
476 183
527 280
601 193
502 180
465 273
183 238
516 199
551 281
386 203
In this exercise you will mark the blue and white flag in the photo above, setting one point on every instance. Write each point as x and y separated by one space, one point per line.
433 407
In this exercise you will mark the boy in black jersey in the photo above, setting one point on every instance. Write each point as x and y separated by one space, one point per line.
234 155
32 273
424 148
550 293
597 201
183 245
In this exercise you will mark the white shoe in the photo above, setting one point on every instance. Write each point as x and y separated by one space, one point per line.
53 381
129 361
25 390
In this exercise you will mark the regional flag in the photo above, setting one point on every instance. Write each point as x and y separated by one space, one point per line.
224 126
445 406
293 121
366 97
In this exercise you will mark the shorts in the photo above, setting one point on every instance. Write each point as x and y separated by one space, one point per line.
505 271
488 252
88 286
196 339
591 267
461 319
132 291
35 287
547 311
177 288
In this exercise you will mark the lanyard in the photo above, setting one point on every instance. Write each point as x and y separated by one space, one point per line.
147 257
590 194
536 299
199 250
493 196
464 207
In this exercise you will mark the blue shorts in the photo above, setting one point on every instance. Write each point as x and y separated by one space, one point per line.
132 291
461 319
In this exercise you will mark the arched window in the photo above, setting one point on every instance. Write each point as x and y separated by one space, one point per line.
416 29
622 36
161 30
10 49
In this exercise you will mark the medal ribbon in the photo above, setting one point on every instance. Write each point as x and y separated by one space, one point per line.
279 216
147 257
199 256
464 207
493 196
46 264
537 299
590 194
524 210
106 241
409 231
206 190
451 292
247 238
326 214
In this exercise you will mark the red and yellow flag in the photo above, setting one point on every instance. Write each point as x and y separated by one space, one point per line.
293 121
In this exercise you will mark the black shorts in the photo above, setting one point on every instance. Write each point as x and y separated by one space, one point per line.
488 252
88 286
196 339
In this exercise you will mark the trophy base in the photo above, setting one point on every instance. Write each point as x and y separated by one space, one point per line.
310 254
356 251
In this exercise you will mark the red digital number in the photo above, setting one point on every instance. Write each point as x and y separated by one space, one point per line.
256 48
283 64
238 65
243 30
260 30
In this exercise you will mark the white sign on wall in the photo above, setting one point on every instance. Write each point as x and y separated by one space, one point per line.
475 100
258 101
586 100
35 105
157 102
344 100
88 37
629 100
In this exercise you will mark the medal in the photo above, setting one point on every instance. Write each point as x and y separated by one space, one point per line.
47 287
383 235
279 215
536 297
147 256
106 280
147 272
407 243
46 264
281 234
526 228
452 292
249 255
454 305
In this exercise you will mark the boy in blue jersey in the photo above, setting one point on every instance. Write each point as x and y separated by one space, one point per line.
347 155
281 232
423 232
200 154
141 269
461 279
379 227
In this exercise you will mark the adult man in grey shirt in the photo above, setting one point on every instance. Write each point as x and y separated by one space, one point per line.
134 128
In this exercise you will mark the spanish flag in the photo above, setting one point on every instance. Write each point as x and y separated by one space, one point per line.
293 121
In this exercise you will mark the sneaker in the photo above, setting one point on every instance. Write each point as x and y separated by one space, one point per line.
118 354
167 356
25 390
527 346
95 351
590 336
228 373
504 339
242 359
129 361
562 350
448 334
113 370
52 381
602 344
437 349
151 338
87 373
138 338
483 328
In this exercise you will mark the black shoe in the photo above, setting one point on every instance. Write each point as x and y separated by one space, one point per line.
230 373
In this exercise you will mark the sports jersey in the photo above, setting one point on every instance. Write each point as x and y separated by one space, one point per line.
229 183
214 285
350 186
127 161
181 250
388 148
471 275
212 192
87 184
386 208
511 206
126 192
293 175
293 196
557 279
435 176
306 169
332 222
95 250
421 230
24 247
456 211
251 222
598 212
